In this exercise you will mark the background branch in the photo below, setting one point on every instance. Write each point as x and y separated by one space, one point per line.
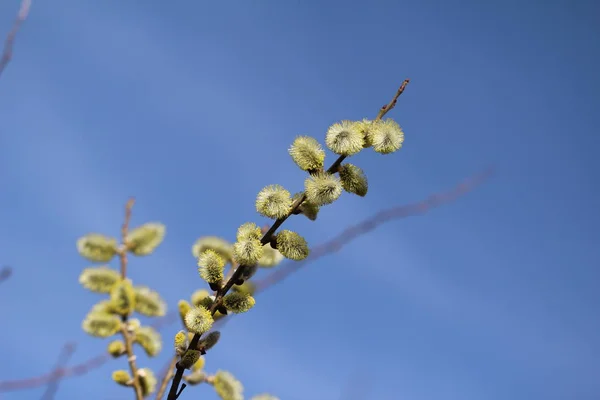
7 51
125 331
65 355
5 273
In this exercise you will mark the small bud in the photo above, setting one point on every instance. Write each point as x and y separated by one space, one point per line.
122 377
238 302
353 179
198 365
198 295
249 230
206 302
322 188
149 339
198 320
133 324
309 209
248 272
189 359
183 307
246 287
307 153
147 381
99 279
116 348
101 324
222 309
344 138
248 252
209 341
387 137
195 377
227 387
96 247
148 302
292 245
122 297
270 258
180 342
218 316
273 201
221 246
144 239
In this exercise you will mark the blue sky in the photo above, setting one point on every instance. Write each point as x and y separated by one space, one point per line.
191 106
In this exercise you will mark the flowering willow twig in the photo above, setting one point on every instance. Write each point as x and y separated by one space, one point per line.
174 391
283 271
7 51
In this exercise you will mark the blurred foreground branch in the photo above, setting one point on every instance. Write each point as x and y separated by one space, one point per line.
5 273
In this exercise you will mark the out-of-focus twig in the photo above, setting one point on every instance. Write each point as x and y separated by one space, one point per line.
5 273
125 331
167 374
7 51
64 357
285 269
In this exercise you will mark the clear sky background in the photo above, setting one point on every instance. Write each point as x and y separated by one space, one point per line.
191 106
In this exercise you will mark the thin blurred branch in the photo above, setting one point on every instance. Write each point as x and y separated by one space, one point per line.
65 355
285 269
5 273
167 374
7 51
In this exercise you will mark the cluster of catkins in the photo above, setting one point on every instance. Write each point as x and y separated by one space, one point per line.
250 250
111 316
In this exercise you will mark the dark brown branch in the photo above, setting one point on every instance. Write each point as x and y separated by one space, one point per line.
7 51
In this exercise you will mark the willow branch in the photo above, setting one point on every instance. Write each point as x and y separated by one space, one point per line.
125 331
7 51
173 391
